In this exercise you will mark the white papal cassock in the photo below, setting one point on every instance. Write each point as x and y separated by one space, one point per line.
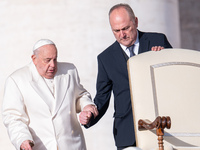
29 114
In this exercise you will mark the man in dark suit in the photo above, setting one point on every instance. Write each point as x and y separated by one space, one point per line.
113 75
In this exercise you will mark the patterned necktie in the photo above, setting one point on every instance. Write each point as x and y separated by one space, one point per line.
131 50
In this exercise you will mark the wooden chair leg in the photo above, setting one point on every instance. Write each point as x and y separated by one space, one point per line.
160 133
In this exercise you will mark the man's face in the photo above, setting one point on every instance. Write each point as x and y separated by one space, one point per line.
124 29
46 61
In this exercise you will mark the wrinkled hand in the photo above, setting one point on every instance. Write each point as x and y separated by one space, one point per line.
84 117
26 145
86 114
157 48
92 109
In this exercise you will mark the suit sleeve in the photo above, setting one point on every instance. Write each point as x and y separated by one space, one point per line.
14 114
104 88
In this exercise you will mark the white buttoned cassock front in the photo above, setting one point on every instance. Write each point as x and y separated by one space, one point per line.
31 112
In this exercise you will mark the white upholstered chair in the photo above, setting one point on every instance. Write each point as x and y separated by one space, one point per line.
166 83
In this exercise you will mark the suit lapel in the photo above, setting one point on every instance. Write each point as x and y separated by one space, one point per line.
119 56
61 86
144 42
39 85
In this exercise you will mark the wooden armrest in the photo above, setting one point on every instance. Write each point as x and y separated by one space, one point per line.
159 123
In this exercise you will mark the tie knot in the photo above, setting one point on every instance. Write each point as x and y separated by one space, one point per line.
131 50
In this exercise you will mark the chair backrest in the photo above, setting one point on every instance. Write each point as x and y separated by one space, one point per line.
167 83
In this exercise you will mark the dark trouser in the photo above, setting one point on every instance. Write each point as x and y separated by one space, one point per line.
121 148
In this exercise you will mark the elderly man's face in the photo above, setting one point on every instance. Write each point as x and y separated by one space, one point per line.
46 61
124 29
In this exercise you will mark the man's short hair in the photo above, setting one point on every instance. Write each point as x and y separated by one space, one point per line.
125 6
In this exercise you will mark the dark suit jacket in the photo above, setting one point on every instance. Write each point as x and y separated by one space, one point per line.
113 76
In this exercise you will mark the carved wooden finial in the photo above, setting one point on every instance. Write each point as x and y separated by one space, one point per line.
159 123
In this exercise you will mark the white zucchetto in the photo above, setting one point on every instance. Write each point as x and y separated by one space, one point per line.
41 43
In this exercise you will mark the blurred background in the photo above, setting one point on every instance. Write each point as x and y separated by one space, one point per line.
81 31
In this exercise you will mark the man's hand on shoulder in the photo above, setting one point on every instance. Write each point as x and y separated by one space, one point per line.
157 48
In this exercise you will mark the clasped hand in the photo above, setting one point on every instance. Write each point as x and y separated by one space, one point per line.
26 145
86 114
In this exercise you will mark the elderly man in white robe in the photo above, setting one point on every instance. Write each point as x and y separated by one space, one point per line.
41 102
